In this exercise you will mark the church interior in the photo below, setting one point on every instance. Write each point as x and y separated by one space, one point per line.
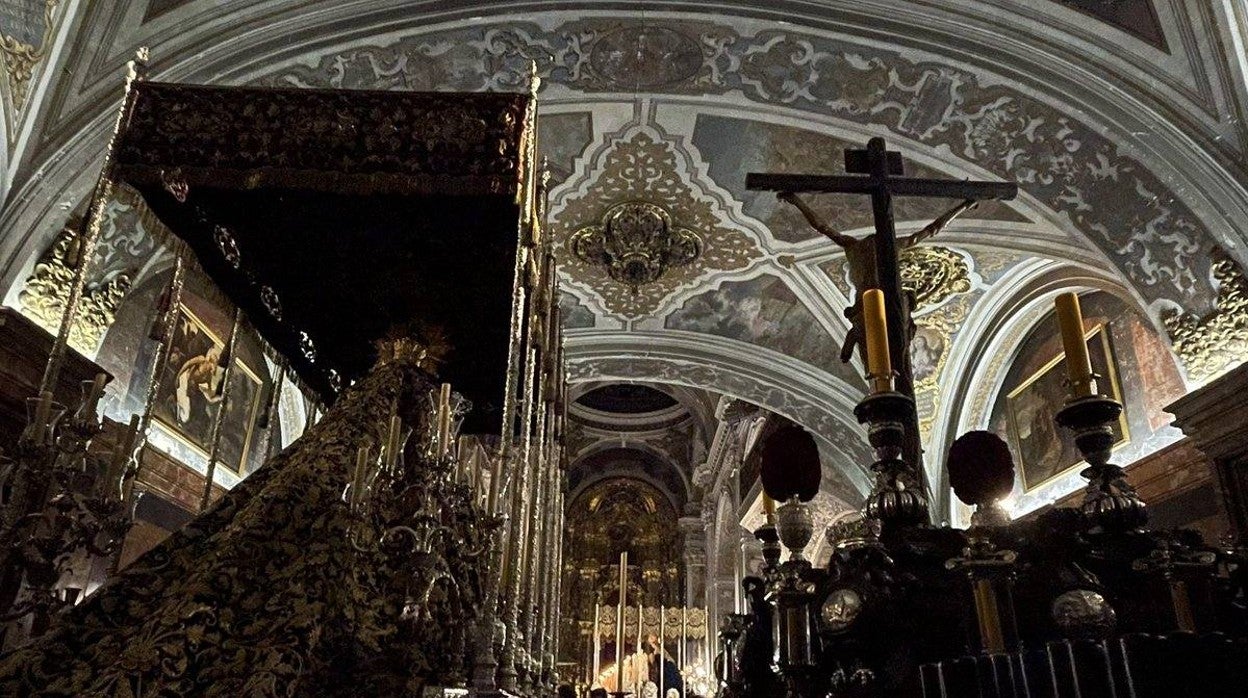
803 348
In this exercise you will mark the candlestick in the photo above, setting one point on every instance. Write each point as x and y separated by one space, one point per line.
87 410
116 473
42 410
879 362
1075 346
769 509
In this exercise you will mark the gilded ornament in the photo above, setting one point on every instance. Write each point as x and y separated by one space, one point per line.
640 166
20 58
637 242
47 289
1210 345
933 274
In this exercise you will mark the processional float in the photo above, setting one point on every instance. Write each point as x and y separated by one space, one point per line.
1082 601
390 249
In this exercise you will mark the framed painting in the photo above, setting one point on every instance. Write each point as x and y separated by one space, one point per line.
1044 452
187 398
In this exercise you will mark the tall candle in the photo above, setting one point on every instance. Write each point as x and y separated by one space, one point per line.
637 655
659 653
357 478
496 481
88 406
1078 363
621 600
597 640
444 419
116 472
43 409
879 363
392 443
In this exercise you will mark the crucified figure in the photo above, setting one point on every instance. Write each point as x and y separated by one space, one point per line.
863 270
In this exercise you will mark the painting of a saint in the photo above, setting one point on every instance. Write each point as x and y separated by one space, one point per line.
1044 452
927 348
189 394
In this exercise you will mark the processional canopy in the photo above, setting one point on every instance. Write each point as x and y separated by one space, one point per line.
332 217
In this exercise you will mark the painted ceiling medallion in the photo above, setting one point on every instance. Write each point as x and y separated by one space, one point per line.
637 243
645 184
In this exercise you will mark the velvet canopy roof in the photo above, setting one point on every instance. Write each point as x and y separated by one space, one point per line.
333 217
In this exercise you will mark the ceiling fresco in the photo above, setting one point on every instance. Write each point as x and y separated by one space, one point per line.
1152 237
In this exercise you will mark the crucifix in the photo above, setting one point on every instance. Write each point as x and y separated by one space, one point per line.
877 172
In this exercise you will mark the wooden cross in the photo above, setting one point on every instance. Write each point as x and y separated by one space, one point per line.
876 171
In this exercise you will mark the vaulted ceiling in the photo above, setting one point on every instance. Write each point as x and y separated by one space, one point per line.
1123 123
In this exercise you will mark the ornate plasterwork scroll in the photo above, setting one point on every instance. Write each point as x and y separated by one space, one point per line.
20 58
933 274
639 164
128 238
43 298
1214 343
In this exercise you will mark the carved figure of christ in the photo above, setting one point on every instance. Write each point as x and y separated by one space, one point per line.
860 257
875 171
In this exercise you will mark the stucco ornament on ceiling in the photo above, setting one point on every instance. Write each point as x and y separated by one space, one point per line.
47 290
640 164
24 42
929 352
129 232
636 243
1212 344
933 274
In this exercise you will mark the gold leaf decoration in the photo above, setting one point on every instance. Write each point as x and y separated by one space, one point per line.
933 274
1213 344
929 352
21 58
46 290
640 166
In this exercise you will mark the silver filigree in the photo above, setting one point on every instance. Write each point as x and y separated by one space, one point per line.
228 246
271 303
307 347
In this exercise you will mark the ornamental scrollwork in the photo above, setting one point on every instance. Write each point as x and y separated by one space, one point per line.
933 274
47 289
20 58
1209 345
637 243
639 165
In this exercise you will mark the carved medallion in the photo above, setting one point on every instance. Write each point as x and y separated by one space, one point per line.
640 165
933 274
637 243
645 57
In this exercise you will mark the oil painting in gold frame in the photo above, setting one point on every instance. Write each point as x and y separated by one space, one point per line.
187 401
1044 452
